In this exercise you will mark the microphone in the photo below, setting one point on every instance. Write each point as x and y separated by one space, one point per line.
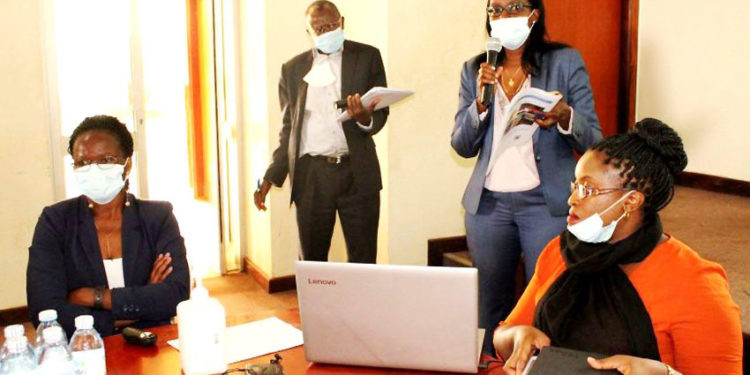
340 104
493 51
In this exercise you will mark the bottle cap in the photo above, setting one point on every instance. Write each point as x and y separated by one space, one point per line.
199 292
84 322
47 315
15 330
17 344
52 334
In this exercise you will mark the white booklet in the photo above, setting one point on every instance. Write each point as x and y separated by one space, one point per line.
387 97
520 125
255 339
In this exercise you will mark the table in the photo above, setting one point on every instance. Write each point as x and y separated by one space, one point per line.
127 359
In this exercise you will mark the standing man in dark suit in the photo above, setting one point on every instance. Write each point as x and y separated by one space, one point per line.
332 165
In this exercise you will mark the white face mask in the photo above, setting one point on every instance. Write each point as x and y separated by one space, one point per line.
101 183
592 229
512 31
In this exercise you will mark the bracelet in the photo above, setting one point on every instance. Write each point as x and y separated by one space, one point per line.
98 297
671 371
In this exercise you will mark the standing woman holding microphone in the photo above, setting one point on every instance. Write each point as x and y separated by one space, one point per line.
515 201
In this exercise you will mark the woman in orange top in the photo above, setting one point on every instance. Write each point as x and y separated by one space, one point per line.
626 289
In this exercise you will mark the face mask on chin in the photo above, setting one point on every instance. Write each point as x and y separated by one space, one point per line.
593 230
331 41
512 31
101 184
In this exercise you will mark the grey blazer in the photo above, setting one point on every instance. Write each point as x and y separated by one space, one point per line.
561 70
361 69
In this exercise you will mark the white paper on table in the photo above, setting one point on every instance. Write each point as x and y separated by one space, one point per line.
255 339
387 97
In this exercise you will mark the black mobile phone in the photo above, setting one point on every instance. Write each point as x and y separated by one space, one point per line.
139 337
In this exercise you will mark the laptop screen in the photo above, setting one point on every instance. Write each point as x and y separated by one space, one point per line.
410 317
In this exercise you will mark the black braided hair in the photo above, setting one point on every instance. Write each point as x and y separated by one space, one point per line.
651 155
108 124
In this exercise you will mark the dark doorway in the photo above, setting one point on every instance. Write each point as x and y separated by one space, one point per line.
606 34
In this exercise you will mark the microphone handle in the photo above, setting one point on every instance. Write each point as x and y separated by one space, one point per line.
488 91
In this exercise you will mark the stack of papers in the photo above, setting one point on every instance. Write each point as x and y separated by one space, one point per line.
387 97
255 339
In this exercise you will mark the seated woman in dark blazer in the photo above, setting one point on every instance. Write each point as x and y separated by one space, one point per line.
614 283
106 253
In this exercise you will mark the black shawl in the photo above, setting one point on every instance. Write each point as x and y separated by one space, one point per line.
593 306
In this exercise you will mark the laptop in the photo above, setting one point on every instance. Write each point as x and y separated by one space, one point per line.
406 317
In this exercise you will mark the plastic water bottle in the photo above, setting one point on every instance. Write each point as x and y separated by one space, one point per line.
201 322
87 348
47 318
19 359
55 358
11 332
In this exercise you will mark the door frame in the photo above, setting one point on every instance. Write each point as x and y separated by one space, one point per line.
628 66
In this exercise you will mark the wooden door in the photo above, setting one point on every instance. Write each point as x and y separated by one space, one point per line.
605 32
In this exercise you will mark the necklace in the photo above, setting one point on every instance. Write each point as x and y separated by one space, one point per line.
510 91
108 254
511 82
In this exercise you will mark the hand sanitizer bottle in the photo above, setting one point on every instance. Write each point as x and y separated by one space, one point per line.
201 321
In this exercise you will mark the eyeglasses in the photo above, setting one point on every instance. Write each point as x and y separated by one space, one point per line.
107 162
322 29
584 191
274 368
512 9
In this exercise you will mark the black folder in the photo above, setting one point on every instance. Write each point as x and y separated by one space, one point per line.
559 361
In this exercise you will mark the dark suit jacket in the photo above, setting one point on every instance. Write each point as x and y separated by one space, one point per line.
361 69
65 255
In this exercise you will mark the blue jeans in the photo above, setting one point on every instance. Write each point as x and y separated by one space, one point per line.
506 225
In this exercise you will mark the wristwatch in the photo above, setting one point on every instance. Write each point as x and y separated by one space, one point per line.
98 297
671 371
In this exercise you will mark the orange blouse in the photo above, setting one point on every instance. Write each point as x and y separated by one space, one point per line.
696 322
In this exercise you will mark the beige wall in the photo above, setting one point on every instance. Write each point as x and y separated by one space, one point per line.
427 178
277 34
424 45
423 48
694 74
423 178
25 162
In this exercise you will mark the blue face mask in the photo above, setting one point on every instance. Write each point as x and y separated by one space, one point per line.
331 41
101 183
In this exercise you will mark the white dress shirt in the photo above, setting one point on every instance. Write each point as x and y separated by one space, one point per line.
115 274
512 168
322 133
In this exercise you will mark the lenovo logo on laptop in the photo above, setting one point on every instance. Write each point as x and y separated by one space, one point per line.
321 282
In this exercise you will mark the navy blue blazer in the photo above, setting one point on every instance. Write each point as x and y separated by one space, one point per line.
561 70
65 255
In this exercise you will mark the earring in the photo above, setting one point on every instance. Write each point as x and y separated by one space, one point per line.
91 205
627 215
127 194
